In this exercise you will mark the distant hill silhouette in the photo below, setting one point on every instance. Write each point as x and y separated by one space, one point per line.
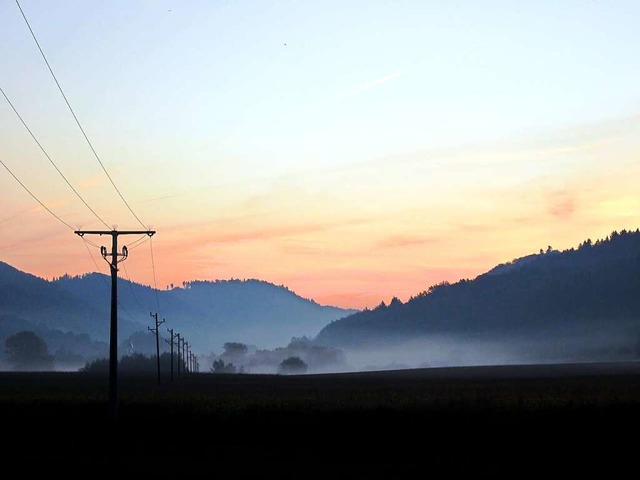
588 292
206 313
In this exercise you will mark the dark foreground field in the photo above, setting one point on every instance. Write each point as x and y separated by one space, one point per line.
512 421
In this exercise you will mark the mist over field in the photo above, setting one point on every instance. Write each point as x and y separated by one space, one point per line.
461 350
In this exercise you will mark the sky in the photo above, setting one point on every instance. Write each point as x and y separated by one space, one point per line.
351 150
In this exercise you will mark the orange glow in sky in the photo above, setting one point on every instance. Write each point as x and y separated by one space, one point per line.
351 154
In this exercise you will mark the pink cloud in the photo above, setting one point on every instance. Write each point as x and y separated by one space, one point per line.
399 241
562 205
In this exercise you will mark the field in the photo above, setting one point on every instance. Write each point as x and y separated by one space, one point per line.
504 420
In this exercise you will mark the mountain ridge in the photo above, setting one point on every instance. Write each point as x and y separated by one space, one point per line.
207 313
586 293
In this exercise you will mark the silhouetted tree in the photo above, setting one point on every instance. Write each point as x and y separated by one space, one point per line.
219 366
395 301
136 363
300 342
27 351
234 353
234 348
99 365
292 365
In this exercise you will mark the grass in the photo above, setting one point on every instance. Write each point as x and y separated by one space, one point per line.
493 420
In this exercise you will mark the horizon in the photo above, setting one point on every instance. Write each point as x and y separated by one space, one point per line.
351 152
385 301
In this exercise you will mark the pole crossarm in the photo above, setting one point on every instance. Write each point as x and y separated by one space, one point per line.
114 232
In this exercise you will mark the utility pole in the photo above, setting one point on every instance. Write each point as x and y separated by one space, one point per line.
188 357
156 332
178 335
170 342
184 359
113 331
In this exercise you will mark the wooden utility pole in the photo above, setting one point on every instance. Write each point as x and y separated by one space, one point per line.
188 357
184 359
170 342
156 332
178 344
113 331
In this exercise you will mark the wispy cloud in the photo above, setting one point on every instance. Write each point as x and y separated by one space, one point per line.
270 232
164 197
92 182
562 205
205 234
401 241
379 81
372 84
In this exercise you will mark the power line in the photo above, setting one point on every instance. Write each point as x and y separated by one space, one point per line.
51 160
34 197
76 118
91 243
86 244
138 242
130 286
113 233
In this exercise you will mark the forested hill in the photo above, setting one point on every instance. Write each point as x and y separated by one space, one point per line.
594 288
208 313
211 313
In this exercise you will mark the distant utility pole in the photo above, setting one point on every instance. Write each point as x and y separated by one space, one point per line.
156 332
188 359
170 342
184 359
113 332
178 344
